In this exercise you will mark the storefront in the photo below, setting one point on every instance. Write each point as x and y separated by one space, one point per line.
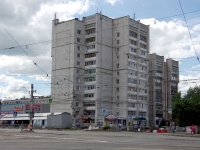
110 120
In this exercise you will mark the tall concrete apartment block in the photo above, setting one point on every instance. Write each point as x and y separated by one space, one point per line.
103 64
163 83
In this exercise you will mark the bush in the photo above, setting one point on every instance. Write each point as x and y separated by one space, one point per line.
106 128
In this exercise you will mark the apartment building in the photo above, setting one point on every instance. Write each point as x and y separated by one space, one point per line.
163 83
100 68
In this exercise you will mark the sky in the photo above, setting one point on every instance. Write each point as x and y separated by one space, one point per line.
28 23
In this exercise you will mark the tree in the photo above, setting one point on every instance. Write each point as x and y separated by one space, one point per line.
187 108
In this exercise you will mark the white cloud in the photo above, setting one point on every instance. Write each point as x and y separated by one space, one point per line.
112 2
171 39
13 88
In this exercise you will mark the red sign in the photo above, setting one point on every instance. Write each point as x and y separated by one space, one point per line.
36 107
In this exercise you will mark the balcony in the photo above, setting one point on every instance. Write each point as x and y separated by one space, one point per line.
89 35
158 84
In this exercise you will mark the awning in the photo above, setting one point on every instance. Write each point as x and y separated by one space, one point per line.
139 118
40 118
20 118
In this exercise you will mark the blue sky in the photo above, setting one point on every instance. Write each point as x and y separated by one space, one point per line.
30 22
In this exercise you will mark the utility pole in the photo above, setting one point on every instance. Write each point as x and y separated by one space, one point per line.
74 108
31 105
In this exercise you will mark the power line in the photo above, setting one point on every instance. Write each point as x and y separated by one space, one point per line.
189 31
23 50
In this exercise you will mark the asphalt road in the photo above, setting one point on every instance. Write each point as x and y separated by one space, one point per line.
93 140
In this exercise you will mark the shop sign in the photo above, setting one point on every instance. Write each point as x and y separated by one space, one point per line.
111 117
18 108
36 107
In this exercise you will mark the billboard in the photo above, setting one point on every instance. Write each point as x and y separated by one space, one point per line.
36 107
18 108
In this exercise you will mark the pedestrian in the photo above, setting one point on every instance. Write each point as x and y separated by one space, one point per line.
117 127
22 126
135 127
192 128
120 126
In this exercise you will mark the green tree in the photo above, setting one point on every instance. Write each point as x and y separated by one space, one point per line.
187 108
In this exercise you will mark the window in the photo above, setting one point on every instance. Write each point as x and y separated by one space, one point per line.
174 77
132 73
78 63
117 65
77 71
143 53
117 41
158 67
132 96
117 89
117 73
131 104
143 75
78 48
142 83
133 50
117 81
89 87
133 34
90 55
131 113
89 79
158 74
78 55
78 31
142 106
142 98
144 68
132 89
117 105
133 57
90 31
90 71
99 122
132 81
117 113
118 34
117 57
133 42
89 95
78 88
142 46
132 65
90 47
90 40
142 90
117 50
117 97
88 63
142 114
78 79
78 39
143 38
77 104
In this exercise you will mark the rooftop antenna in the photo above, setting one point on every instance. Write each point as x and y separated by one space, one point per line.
97 9
134 16
101 10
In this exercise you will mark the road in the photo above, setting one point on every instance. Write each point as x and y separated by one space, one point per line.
93 140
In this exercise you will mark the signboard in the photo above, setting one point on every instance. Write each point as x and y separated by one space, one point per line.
105 111
170 109
14 114
18 108
50 100
36 107
111 117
